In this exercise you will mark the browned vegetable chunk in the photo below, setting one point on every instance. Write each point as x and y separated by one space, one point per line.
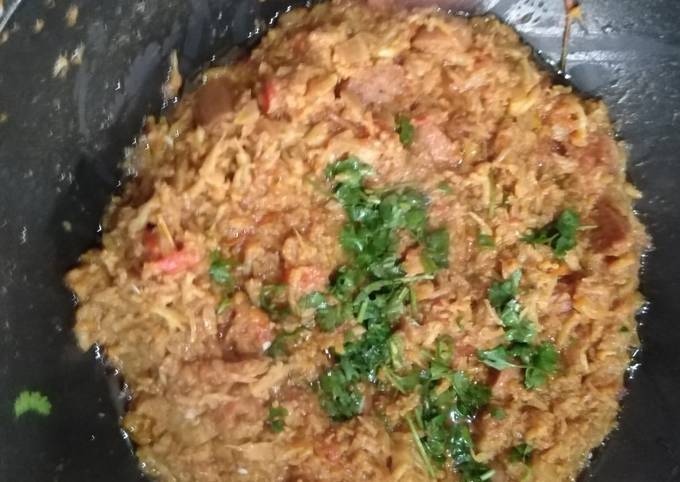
612 226
214 99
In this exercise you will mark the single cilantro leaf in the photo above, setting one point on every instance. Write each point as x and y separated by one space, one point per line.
501 292
471 396
559 234
486 241
35 402
521 453
220 270
436 250
276 420
497 358
405 129
349 170
567 226
520 330
542 364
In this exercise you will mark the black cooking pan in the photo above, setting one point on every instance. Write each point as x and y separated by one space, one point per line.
61 141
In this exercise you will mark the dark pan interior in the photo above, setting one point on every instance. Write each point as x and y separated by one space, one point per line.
63 139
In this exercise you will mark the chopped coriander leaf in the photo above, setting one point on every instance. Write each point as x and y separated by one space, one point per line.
276 419
471 396
445 187
220 270
346 282
486 240
349 170
35 402
501 292
405 129
624 329
402 383
521 453
497 412
273 301
443 418
541 364
497 358
282 341
559 234
538 361
337 394
436 252
372 287
327 316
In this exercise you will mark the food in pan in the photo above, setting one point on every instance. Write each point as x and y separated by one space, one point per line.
385 246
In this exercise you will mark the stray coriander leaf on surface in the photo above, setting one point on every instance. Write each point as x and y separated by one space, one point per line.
276 419
521 453
486 240
559 234
28 401
405 129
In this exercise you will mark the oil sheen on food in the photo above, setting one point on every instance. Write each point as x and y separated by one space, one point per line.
384 246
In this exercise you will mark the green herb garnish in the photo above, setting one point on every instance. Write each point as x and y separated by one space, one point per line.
406 131
559 234
276 420
220 269
220 272
440 424
538 361
372 288
436 251
35 402
328 316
